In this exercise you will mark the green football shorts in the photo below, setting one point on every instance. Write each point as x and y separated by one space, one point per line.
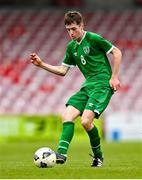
94 99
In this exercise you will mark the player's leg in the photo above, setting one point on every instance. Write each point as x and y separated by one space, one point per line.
96 104
75 107
69 116
87 122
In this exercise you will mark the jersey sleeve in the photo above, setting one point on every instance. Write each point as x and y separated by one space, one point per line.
104 44
68 59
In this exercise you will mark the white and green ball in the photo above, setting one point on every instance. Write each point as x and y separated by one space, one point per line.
45 158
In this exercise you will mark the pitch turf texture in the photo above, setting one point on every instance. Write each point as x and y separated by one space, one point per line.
122 160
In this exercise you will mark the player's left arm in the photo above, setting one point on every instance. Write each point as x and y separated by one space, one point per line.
117 57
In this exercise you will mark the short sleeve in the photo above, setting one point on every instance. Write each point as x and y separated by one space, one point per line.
104 44
68 58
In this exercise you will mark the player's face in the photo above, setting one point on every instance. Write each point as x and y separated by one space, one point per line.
75 31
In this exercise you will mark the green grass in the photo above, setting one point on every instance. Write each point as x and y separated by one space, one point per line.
122 160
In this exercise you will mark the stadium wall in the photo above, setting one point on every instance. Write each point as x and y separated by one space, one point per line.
34 127
86 4
108 4
124 126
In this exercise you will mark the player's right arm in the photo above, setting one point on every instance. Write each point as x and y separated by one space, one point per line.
59 70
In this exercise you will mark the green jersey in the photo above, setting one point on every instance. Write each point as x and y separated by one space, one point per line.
90 55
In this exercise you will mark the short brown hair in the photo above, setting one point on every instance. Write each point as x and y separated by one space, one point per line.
73 17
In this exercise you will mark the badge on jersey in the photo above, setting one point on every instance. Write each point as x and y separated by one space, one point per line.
86 49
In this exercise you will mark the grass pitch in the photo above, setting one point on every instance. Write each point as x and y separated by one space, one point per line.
122 160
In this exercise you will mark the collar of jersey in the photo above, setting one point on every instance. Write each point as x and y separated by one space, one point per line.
82 38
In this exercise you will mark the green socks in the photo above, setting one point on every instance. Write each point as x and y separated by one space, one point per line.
95 142
66 137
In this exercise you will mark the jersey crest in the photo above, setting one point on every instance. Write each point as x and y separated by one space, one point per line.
86 49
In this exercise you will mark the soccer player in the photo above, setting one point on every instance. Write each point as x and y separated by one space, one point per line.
88 51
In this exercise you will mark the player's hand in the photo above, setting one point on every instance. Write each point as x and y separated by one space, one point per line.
35 59
114 83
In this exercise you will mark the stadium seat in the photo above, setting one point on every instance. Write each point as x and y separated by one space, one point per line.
27 89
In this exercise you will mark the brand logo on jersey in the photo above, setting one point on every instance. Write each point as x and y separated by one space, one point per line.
90 104
86 49
75 53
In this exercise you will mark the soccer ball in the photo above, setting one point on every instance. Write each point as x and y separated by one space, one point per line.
45 158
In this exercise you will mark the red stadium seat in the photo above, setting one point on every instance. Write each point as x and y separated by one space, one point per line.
27 89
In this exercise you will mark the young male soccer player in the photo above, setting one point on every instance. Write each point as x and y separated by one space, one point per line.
89 52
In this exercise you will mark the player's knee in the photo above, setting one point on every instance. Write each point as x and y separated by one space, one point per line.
86 124
67 117
70 114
